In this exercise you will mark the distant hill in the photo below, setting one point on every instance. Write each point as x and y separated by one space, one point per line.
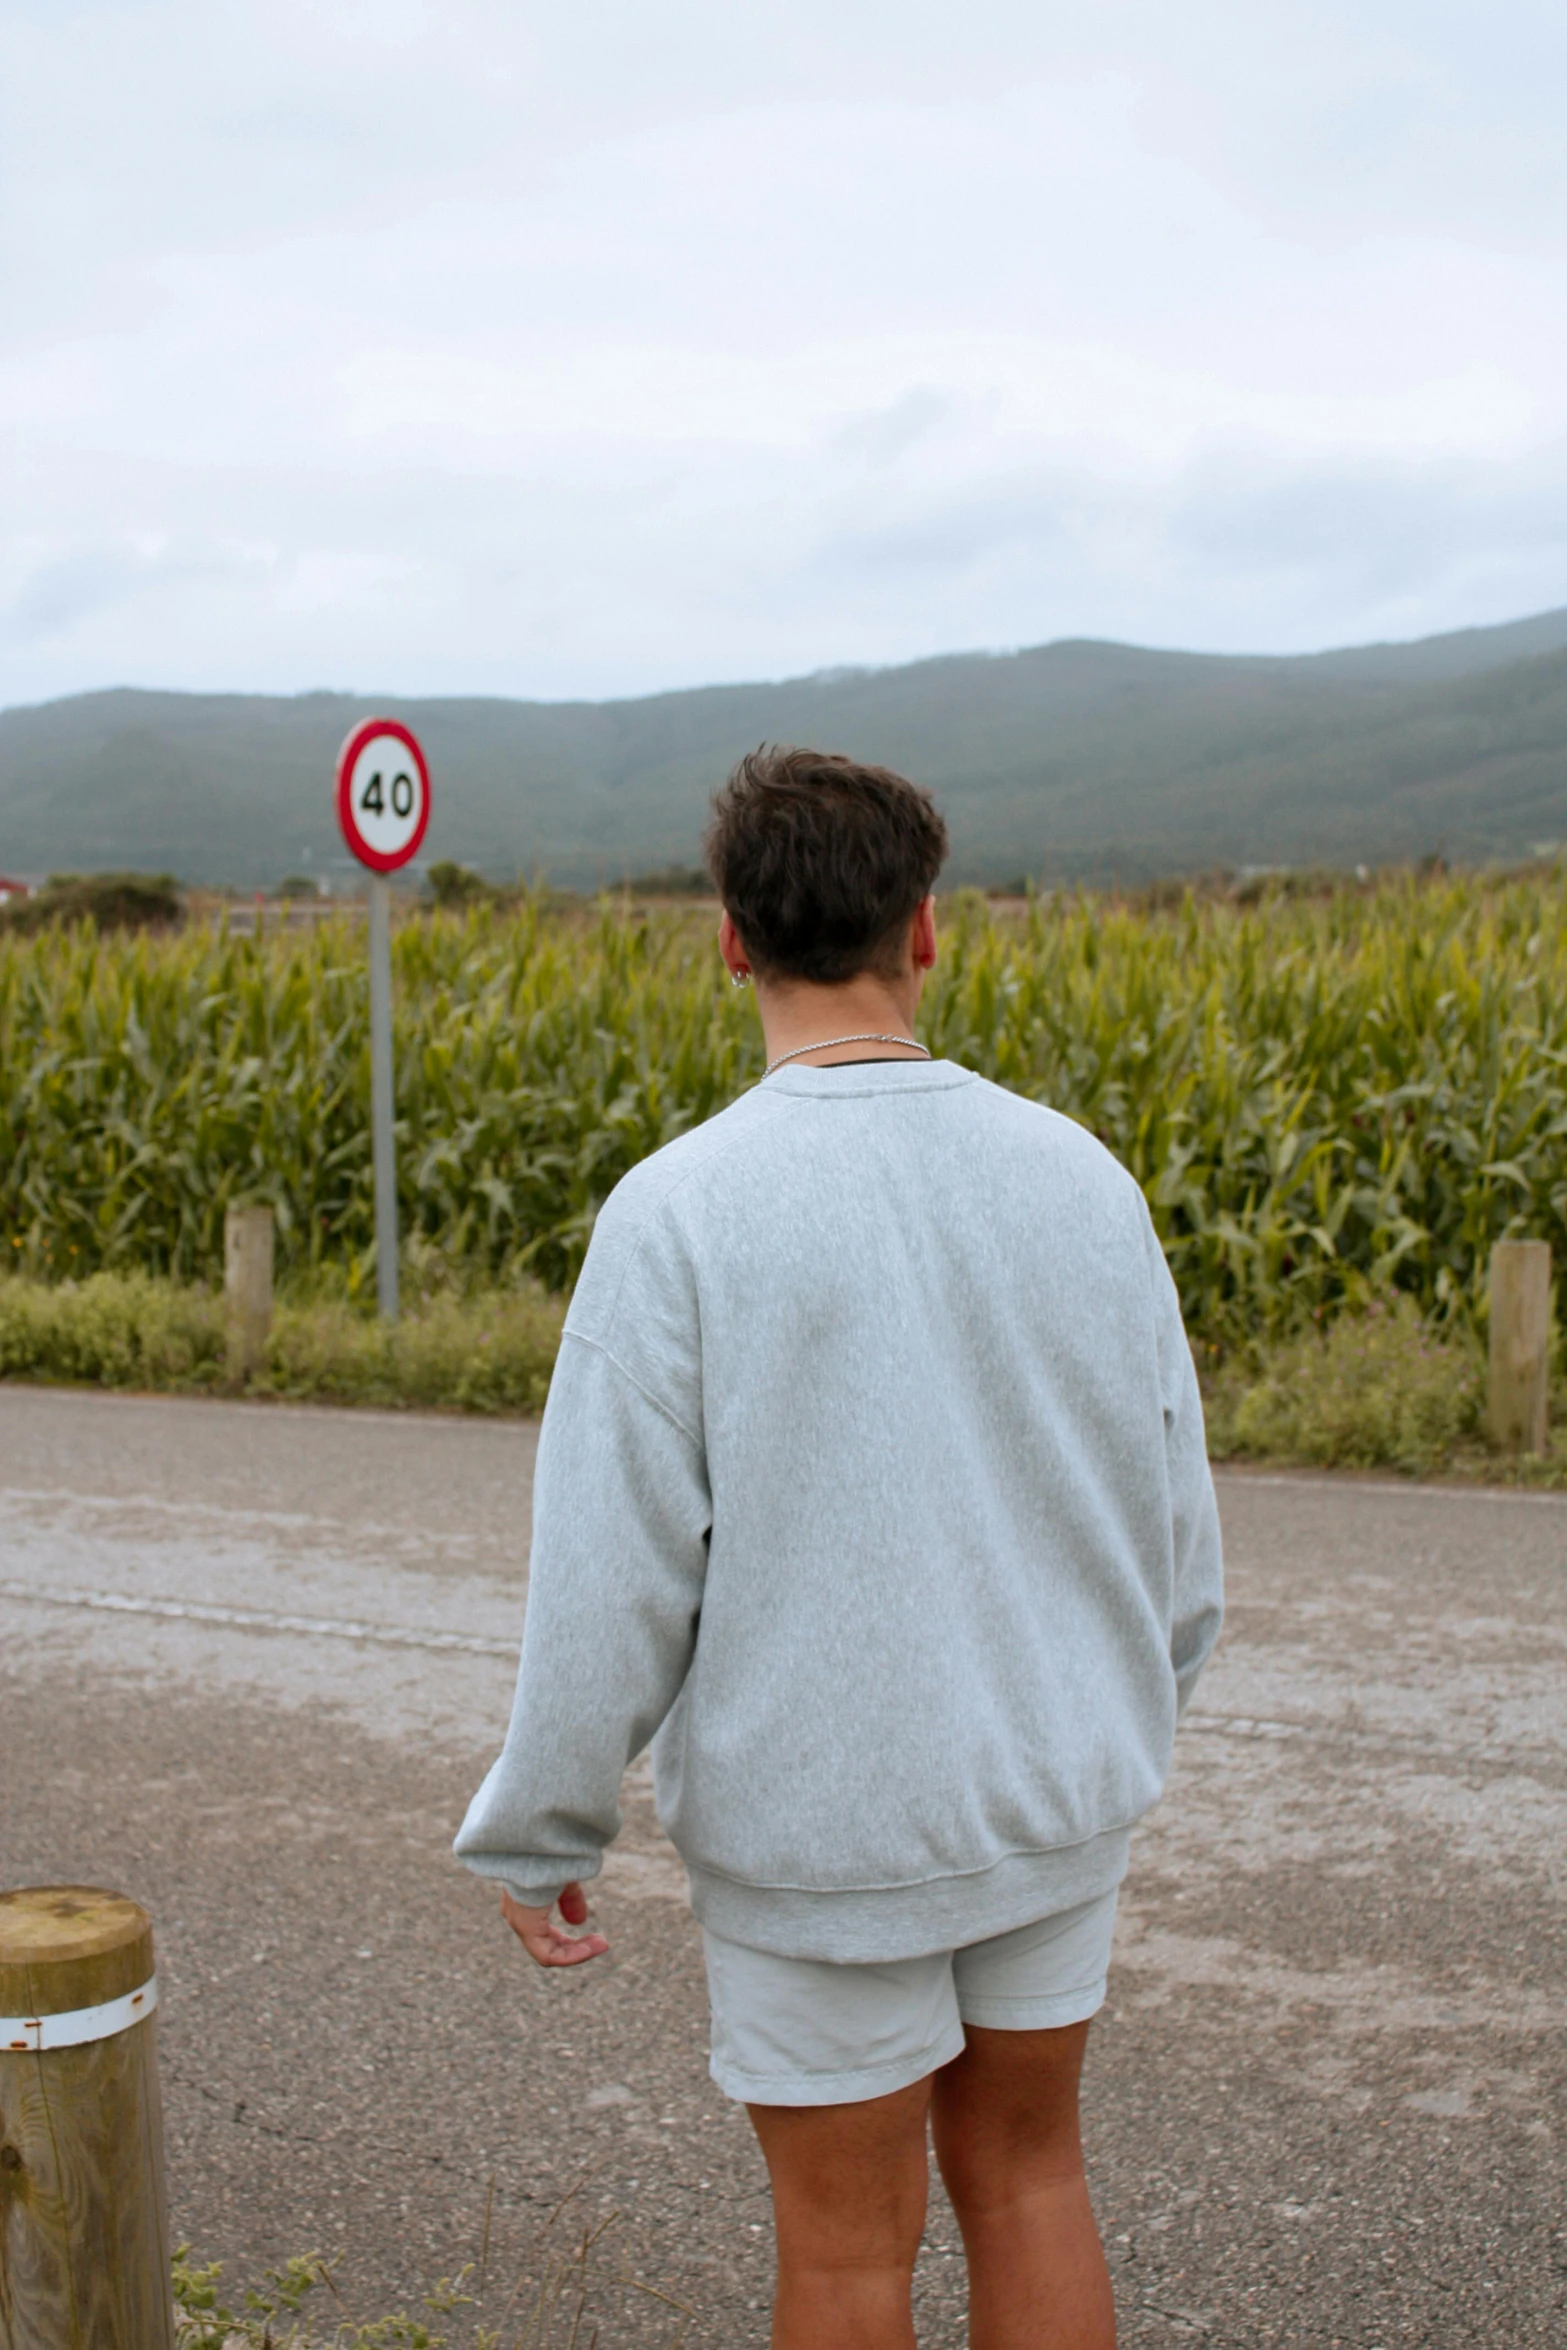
1077 759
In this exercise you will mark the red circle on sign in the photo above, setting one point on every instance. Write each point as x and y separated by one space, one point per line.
380 860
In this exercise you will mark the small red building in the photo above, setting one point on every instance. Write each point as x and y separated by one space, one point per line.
12 889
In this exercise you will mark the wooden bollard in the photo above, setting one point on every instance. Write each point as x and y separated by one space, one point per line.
247 1287
1520 1343
84 2240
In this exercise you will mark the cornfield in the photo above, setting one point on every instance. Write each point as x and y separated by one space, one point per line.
1325 1099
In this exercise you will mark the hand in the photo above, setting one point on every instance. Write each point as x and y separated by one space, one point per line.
544 1942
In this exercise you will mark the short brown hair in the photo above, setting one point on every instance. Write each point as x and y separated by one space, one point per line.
821 862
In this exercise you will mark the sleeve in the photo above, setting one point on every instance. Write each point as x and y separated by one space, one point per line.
620 1525
1197 1602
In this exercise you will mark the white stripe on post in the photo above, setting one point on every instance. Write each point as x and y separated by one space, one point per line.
79 2025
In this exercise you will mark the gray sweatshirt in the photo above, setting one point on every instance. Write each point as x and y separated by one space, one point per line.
872 1489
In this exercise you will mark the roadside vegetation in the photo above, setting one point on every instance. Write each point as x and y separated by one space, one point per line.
566 2286
488 1351
1335 1099
1381 1387
109 901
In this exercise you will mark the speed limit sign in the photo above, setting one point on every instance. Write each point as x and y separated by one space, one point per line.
383 794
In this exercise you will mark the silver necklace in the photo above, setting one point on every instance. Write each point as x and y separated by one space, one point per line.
829 1043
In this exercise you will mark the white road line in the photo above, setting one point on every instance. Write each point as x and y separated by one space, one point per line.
262 1619
59 1497
1245 1725
1413 1745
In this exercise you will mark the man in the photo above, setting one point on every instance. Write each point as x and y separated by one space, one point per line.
872 1488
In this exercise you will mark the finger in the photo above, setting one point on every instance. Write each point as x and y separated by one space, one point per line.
574 1905
552 1948
542 1939
572 1949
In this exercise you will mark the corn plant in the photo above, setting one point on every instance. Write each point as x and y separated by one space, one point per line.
1325 1099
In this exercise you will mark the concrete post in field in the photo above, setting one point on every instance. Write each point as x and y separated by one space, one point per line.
1520 1343
84 2244
247 1286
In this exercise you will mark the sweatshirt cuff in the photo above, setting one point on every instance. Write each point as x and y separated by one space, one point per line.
534 1896
532 1892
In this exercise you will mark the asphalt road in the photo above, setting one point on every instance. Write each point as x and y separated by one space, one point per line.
252 1662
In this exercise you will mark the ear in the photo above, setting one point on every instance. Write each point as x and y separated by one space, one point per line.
922 933
736 961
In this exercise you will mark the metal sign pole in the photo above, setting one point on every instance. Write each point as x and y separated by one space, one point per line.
385 1145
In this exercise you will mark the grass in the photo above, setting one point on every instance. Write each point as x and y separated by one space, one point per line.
1378 1388
485 1351
555 2296
273 2315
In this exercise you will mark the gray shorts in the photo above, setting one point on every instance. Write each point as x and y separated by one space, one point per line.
808 2031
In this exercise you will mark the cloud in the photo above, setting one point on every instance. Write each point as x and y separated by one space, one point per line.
478 345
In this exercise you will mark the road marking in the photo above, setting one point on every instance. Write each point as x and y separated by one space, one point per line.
117 1505
262 1619
1244 1725
1198 1719
1414 1745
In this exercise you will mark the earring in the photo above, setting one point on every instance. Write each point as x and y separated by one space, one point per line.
740 978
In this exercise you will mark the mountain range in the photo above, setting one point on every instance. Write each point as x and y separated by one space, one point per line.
1079 759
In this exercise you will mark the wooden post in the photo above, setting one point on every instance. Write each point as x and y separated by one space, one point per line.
84 2244
247 1283
1520 1343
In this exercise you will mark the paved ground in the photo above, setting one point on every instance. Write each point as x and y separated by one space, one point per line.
252 1662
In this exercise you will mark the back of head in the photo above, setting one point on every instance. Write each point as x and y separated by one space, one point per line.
821 862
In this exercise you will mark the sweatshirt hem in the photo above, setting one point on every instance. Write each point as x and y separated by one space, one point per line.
860 1927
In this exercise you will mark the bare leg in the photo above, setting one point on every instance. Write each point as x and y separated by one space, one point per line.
1004 2115
849 2190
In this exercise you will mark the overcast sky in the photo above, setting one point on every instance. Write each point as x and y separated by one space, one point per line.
598 346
